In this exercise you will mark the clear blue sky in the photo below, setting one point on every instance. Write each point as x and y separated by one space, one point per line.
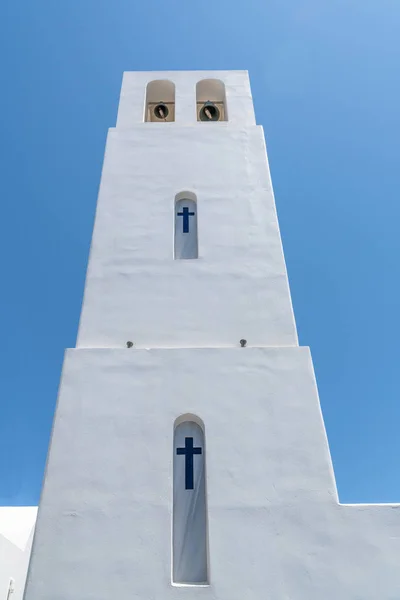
326 85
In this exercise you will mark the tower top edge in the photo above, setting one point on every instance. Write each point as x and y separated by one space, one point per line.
215 74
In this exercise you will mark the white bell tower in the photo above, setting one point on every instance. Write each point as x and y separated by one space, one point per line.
188 457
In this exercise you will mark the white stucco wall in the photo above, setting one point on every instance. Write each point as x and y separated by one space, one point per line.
238 287
16 531
275 527
237 86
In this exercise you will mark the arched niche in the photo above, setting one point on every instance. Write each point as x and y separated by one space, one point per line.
211 100
186 243
189 417
189 531
160 101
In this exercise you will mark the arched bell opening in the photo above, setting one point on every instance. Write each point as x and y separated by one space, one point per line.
160 101
211 100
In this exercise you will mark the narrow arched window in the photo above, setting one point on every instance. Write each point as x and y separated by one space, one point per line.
160 101
211 100
186 243
189 531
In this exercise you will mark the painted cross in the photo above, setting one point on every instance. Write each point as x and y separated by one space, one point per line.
188 451
185 214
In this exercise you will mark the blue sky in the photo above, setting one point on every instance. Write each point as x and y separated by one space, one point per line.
326 86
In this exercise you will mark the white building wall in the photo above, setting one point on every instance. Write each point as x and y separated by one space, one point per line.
10 559
276 529
238 287
238 93
16 532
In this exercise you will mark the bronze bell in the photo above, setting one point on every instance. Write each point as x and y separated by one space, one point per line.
161 111
209 112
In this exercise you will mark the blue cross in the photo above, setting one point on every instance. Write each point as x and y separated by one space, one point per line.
189 452
185 214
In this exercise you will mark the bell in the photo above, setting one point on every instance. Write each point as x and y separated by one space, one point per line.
209 112
161 111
